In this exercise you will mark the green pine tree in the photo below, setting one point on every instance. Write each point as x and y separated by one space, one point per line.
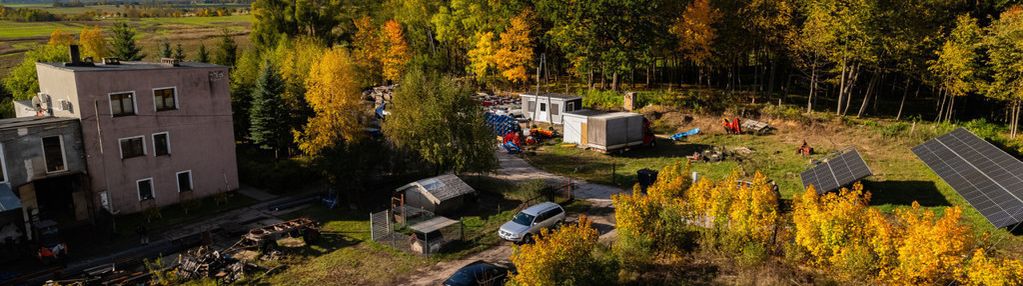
165 50
227 51
124 46
179 53
268 115
203 56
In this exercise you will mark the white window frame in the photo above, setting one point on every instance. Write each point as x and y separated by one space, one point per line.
154 143
63 154
121 149
3 165
175 88
152 188
191 180
570 106
134 102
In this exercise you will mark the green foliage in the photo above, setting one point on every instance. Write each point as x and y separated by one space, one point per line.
165 50
22 81
203 56
123 45
602 99
227 51
437 118
179 52
957 66
278 176
268 116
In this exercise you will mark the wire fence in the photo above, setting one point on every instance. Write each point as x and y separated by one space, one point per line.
414 230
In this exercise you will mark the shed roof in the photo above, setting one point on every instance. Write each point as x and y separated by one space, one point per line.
19 122
441 188
433 224
618 115
554 95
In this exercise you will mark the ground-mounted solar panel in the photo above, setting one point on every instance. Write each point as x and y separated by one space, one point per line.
988 178
842 170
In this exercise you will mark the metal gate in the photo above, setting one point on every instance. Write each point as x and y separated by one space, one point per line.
380 225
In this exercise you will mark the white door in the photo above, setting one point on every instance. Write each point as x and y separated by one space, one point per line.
541 111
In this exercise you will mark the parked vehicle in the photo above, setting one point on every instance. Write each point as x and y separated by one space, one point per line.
480 273
530 221
51 244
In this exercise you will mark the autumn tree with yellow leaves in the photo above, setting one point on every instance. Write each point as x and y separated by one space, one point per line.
482 57
368 49
94 44
332 91
396 51
515 54
569 255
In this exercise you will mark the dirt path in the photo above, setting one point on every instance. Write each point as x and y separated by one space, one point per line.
517 170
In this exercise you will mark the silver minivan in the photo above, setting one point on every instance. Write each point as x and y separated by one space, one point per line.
530 221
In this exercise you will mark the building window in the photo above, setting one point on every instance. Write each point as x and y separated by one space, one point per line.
543 107
165 99
122 104
145 187
161 144
133 147
184 181
53 154
532 105
570 106
554 109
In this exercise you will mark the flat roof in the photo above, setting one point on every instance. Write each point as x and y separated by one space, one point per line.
619 114
19 122
585 112
126 65
554 95
433 224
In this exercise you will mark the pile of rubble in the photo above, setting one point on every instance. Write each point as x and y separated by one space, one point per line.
203 262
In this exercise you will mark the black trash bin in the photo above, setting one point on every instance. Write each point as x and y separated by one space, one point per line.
646 177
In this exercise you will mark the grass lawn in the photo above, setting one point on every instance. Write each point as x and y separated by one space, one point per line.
347 256
899 177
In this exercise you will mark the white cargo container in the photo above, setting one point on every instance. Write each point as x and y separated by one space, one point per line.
604 131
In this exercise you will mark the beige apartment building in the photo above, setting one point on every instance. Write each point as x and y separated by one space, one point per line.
153 134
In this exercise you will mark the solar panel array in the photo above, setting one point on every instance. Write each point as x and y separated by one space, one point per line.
988 178
842 170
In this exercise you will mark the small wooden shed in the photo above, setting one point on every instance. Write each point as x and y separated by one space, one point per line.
441 194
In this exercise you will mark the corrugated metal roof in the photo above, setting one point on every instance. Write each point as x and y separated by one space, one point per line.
433 224
8 201
441 188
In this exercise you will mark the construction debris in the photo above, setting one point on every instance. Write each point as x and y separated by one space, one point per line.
265 238
202 262
756 127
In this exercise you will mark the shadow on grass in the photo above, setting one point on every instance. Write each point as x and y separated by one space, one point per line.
665 149
905 192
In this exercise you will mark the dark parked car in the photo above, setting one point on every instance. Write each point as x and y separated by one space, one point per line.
480 273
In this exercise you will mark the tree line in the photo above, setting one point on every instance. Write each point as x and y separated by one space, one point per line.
850 54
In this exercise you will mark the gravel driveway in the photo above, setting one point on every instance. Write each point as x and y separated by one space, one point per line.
517 170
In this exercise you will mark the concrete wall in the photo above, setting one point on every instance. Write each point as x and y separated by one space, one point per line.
200 131
23 151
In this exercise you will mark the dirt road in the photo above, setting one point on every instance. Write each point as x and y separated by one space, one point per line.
516 169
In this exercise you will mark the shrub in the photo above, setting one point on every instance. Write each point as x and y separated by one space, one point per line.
570 255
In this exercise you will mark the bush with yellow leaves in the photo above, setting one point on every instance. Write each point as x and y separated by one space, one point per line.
570 255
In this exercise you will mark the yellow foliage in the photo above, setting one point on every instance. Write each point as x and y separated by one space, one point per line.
396 51
332 91
60 38
672 182
368 50
695 31
295 57
832 228
982 270
516 52
932 249
481 57
93 43
558 257
753 212
636 214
